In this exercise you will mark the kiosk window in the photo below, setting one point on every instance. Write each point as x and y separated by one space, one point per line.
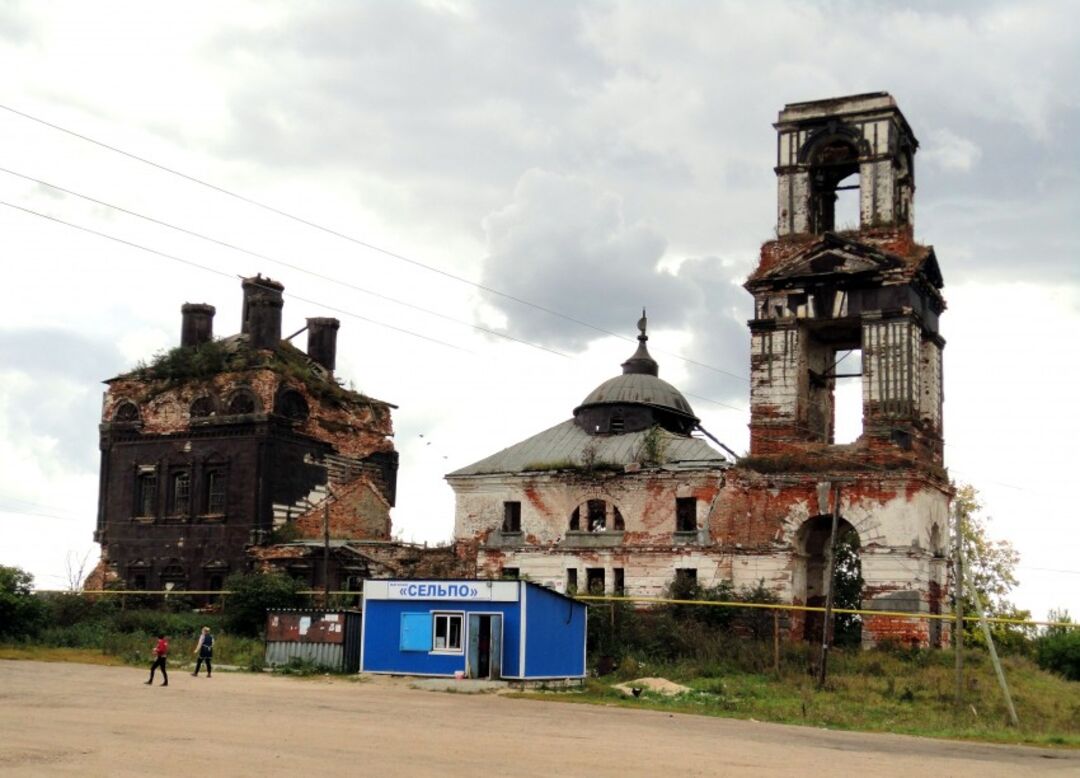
447 632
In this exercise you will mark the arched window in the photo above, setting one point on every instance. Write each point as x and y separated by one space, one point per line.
126 412
242 401
203 407
833 155
596 516
292 405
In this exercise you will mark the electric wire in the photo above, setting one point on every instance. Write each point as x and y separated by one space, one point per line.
352 239
215 271
278 261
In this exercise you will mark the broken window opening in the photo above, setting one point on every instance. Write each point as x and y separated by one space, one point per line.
511 516
597 515
594 580
242 402
510 573
685 579
202 408
126 413
686 514
833 162
571 580
619 581
618 424
600 516
292 405
846 213
847 396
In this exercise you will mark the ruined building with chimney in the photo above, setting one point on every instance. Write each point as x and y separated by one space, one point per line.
225 455
628 495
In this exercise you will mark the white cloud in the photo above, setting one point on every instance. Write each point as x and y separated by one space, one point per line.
951 152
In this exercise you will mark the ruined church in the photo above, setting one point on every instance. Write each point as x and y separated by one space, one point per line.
628 494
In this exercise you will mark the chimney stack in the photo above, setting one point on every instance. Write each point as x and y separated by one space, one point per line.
262 312
322 341
197 325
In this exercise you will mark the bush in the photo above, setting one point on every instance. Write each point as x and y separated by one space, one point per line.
254 594
1059 652
21 614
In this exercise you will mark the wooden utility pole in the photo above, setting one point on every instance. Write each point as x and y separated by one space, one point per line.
776 641
830 568
958 600
994 656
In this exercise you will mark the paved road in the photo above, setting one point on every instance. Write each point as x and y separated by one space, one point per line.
69 719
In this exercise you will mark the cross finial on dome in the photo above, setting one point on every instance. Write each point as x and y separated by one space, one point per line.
642 362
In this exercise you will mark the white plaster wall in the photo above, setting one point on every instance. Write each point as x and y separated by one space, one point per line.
775 378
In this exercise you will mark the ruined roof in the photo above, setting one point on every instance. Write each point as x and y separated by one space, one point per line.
234 354
893 253
567 446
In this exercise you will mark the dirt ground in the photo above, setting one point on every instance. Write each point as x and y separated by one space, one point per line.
70 719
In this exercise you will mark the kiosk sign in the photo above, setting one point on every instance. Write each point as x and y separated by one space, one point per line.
444 591
438 590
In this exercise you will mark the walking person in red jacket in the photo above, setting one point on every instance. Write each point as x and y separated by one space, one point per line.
161 652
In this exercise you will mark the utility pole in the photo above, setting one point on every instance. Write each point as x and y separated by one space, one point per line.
830 568
994 656
958 601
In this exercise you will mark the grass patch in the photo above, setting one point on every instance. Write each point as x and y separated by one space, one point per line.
86 656
907 693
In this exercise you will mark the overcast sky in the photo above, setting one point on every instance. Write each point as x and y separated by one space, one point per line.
586 158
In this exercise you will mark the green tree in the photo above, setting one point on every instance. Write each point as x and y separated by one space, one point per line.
847 589
21 614
989 570
1058 648
255 593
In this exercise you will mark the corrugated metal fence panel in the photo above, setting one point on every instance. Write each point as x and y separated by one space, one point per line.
352 642
306 626
328 655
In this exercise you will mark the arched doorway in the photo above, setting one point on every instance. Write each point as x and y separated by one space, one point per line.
812 541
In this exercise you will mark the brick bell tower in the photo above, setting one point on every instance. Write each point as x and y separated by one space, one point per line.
820 291
827 288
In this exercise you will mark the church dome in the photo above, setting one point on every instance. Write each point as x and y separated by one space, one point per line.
637 399
639 389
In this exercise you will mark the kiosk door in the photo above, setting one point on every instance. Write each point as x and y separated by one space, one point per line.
485 646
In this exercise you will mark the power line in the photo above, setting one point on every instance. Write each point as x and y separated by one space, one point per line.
352 239
215 271
275 260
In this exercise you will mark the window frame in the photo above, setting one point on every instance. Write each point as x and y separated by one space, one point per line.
211 476
449 616
176 508
146 474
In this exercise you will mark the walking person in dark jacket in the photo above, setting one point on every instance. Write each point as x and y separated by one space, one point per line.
161 652
205 650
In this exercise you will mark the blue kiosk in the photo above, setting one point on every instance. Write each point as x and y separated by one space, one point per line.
515 630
